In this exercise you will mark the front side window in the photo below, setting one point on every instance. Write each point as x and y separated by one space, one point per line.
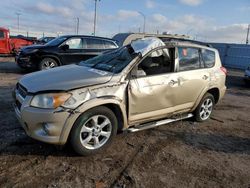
208 57
157 62
1 34
189 59
74 43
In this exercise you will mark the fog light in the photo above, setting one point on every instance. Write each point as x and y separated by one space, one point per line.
46 128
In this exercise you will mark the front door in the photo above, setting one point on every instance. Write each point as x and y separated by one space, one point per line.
4 47
75 51
153 86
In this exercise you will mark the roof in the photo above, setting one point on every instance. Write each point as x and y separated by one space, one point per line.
188 44
145 45
126 38
89 36
179 40
4 29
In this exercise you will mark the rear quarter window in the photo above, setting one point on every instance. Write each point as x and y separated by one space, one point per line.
109 45
208 57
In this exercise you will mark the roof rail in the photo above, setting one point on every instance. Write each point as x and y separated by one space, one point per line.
185 40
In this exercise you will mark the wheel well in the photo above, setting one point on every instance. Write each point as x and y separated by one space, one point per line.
216 93
118 113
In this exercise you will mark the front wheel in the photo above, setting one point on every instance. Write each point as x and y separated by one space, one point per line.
93 130
205 108
47 63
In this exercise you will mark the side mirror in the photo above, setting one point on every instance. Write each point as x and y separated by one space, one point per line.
138 73
64 47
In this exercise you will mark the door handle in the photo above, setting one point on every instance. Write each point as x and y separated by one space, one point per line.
173 82
205 77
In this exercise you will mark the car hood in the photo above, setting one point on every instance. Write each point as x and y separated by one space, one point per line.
30 49
64 78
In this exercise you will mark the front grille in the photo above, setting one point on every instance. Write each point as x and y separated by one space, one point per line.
21 90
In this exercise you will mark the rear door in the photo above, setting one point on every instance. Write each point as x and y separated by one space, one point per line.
97 46
192 75
92 47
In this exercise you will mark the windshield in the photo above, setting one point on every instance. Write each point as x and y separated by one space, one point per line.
114 61
56 41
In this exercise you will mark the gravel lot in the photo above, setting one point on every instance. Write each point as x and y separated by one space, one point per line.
183 154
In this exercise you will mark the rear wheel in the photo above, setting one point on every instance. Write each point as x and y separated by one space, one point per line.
205 108
93 131
48 63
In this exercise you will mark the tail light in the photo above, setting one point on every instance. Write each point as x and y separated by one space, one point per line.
223 69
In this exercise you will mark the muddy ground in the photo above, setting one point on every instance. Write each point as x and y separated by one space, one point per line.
183 154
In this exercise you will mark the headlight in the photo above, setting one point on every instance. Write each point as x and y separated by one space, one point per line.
31 51
50 101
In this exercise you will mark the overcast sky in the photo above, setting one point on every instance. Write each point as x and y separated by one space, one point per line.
208 20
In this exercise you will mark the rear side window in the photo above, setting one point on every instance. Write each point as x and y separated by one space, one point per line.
1 34
109 45
189 59
208 57
94 43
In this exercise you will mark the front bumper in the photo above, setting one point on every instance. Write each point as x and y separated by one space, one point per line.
45 125
25 61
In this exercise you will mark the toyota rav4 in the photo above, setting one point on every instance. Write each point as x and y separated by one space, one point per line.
139 86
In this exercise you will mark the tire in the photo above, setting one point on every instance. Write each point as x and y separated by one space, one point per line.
93 131
47 63
247 82
205 108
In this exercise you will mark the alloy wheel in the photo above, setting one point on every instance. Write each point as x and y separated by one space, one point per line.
95 132
206 109
48 64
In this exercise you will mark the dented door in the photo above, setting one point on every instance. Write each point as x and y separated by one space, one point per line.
152 96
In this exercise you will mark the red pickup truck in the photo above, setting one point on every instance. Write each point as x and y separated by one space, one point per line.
10 45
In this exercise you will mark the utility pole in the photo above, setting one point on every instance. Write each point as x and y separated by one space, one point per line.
77 25
18 15
95 16
248 29
144 21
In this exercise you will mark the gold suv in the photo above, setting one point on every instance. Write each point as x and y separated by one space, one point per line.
139 86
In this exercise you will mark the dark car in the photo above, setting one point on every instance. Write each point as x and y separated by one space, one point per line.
44 40
62 51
